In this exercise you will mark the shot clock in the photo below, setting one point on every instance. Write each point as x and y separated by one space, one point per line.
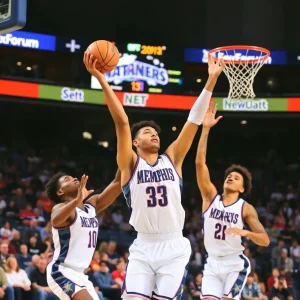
146 69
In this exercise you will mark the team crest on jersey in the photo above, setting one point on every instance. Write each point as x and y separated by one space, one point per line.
68 288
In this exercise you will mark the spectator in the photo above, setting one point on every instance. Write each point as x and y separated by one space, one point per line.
18 279
288 234
276 251
38 278
12 213
251 290
195 287
284 263
118 275
279 221
32 231
271 280
95 263
3 254
295 250
34 264
106 283
280 290
46 231
196 258
19 198
113 256
6 231
6 291
16 240
26 215
34 247
261 285
24 259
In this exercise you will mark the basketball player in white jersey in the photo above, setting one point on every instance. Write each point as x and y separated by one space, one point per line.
226 270
75 232
152 186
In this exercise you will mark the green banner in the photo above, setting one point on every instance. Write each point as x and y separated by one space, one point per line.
257 105
68 94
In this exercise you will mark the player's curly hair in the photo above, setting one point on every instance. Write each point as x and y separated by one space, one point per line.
137 126
245 174
52 187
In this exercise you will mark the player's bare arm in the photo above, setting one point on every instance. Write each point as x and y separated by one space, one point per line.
207 189
257 234
179 148
64 213
108 196
126 157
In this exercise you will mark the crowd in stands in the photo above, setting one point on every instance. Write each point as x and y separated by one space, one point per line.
26 239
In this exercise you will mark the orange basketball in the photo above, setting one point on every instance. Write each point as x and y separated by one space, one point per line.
106 53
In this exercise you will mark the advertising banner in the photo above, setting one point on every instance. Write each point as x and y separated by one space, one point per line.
142 100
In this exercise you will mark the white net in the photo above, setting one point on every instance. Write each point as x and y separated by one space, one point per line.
241 67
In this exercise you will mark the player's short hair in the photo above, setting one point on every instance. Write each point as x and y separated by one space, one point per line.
245 174
52 186
137 126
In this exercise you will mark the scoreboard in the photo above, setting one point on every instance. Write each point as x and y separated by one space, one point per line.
145 69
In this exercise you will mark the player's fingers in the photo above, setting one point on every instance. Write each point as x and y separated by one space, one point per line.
210 59
219 118
219 62
94 63
91 59
81 181
215 108
211 103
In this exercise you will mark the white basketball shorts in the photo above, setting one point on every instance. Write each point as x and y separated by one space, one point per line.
66 282
225 276
157 266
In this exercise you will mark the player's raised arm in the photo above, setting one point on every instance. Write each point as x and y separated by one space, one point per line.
126 157
207 189
108 196
179 148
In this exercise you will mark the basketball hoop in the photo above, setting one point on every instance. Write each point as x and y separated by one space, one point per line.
241 66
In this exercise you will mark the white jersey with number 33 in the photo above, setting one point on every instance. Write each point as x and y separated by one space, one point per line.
153 195
217 218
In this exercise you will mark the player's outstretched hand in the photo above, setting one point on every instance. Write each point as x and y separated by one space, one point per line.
82 191
236 231
210 119
215 68
90 63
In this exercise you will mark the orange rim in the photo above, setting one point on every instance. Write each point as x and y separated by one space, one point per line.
241 47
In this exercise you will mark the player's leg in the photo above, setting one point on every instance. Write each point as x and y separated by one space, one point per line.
212 283
84 295
139 280
173 257
236 279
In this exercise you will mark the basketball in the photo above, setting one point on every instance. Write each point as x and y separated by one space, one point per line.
106 53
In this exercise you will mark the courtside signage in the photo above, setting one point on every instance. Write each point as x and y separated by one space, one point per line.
29 40
142 100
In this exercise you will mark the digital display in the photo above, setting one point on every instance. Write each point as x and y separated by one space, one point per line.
199 55
145 69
